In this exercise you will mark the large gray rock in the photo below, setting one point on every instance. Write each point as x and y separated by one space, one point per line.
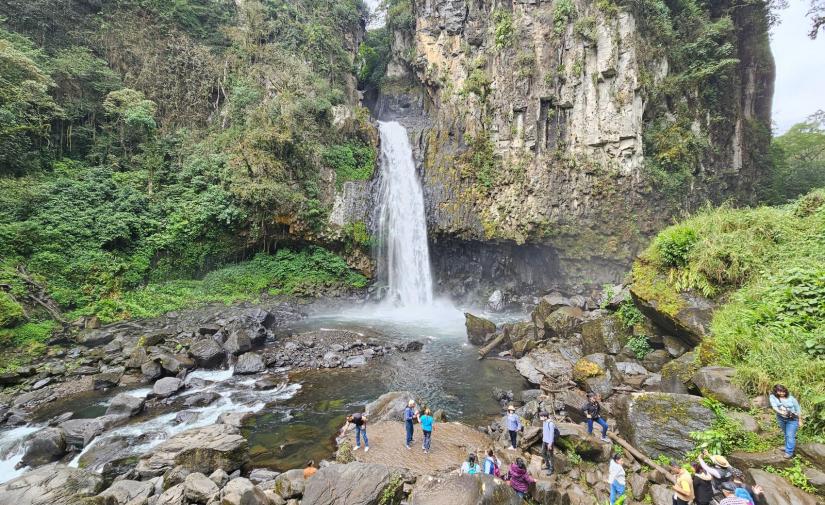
597 373
151 369
290 484
198 488
238 342
172 496
166 387
661 423
661 495
127 492
249 363
479 329
603 334
125 404
779 491
814 452
541 363
717 382
79 432
562 490
463 490
546 306
201 450
207 353
45 446
388 407
353 484
562 323
51 485
775 458
690 320
242 491
677 375
590 447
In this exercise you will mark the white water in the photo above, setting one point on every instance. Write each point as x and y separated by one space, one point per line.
403 255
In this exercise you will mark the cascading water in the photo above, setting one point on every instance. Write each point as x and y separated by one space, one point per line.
403 253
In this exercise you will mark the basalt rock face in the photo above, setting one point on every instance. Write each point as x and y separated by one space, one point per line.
551 133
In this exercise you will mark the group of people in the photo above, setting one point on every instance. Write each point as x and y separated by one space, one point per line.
410 415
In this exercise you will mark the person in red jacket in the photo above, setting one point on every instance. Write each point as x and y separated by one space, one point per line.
520 478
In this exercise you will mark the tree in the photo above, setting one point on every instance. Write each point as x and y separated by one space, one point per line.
817 15
798 159
133 116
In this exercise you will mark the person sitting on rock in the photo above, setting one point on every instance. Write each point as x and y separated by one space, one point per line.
592 410
683 489
548 438
492 466
702 486
729 492
310 469
358 420
513 426
743 490
788 416
520 478
616 478
410 413
470 467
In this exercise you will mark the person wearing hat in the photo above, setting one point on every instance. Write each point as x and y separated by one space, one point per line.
410 413
513 426
702 486
720 472
548 438
592 410
788 416
729 492
683 489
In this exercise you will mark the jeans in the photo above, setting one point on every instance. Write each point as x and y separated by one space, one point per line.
409 426
788 427
361 431
428 438
512 438
616 490
547 455
679 501
601 423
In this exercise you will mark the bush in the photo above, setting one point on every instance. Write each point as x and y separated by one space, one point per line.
351 162
503 28
640 345
674 245
629 315
10 310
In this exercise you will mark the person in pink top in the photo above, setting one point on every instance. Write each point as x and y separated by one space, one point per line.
520 478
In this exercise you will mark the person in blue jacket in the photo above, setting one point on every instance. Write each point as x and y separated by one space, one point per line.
788 416
513 426
410 415
427 422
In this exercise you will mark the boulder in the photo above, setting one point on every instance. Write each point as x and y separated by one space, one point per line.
410 346
775 458
814 452
51 485
219 477
242 491
207 353
290 484
238 342
686 315
656 359
590 447
166 387
677 375
540 363
388 407
136 358
200 399
661 494
151 369
546 306
674 346
108 379
79 432
639 485
478 329
816 478
603 334
259 475
198 488
201 450
597 373
353 484
747 421
779 491
107 451
661 423
172 496
463 490
563 322
45 446
125 404
127 492
249 363
496 301
717 382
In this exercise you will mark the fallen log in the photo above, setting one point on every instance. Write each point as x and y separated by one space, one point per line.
484 351
641 457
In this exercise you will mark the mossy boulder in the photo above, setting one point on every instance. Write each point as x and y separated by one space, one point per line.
562 323
574 437
661 423
597 373
603 334
479 330
717 382
546 306
11 312
677 374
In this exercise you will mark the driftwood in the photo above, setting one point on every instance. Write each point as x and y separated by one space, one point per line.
484 351
641 457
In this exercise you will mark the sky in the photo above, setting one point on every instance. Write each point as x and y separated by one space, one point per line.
800 67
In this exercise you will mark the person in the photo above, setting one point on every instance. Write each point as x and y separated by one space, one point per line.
702 486
616 478
683 489
729 492
593 412
720 472
743 490
310 469
548 438
520 478
513 426
470 467
358 420
409 415
427 429
788 416
492 466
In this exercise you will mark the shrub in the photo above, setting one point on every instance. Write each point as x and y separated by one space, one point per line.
640 345
10 310
629 315
563 12
502 28
674 245
795 474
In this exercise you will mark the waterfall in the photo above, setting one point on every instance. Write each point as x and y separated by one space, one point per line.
403 254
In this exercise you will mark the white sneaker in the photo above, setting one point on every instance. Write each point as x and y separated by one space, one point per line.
357 447
366 449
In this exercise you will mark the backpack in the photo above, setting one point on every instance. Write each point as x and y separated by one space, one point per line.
556 436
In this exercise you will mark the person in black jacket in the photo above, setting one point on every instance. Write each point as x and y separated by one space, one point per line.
592 411
702 485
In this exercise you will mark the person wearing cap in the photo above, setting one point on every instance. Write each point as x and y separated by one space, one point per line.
702 486
683 489
729 492
513 426
548 438
616 478
788 416
409 415
592 410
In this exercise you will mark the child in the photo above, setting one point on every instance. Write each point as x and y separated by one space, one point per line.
492 466
427 429
616 478
520 478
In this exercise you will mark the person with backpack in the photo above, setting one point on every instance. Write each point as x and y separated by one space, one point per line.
720 472
358 420
702 486
410 414
788 416
728 490
427 422
548 438
592 411
683 489
513 426
520 478
616 478
470 467
492 466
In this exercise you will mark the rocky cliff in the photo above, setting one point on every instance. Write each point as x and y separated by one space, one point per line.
554 137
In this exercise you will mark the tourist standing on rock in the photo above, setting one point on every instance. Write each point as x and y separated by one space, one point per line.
358 420
548 438
684 485
520 478
702 485
730 498
513 426
616 478
492 466
593 412
470 467
310 469
427 429
409 415
788 415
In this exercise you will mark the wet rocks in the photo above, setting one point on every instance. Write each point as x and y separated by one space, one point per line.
207 353
51 485
249 363
412 345
689 320
563 323
166 387
200 399
45 446
199 450
238 342
479 329
603 334
125 404
547 305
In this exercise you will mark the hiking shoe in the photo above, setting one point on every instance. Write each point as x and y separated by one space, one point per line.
357 447
366 449
788 456
605 439
407 446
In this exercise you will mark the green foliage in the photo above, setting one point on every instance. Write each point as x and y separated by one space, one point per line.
23 343
795 474
390 495
573 457
608 292
525 64
373 55
674 153
640 345
798 161
479 160
726 435
399 15
477 83
351 162
674 244
585 28
563 12
629 315
358 234
10 311
503 30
